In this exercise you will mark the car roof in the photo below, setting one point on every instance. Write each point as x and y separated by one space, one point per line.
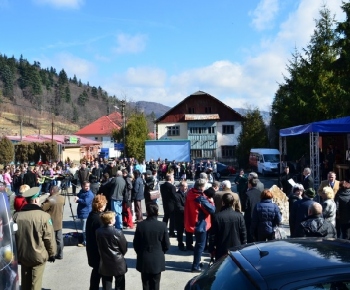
284 257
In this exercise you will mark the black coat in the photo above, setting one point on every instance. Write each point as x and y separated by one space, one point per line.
299 213
316 226
287 187
342 199
112 247
179 207
228 230
138 189
308 182
168 192
151 241
252 198
30 179
93 222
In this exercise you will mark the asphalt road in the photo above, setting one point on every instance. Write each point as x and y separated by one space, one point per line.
73 271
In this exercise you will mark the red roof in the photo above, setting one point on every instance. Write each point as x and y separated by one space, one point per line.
102 126
58 138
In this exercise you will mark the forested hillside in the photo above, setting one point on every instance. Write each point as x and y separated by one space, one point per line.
31 92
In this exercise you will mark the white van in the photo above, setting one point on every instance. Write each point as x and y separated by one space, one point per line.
264 160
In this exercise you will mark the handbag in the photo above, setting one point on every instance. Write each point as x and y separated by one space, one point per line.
154 194
280 233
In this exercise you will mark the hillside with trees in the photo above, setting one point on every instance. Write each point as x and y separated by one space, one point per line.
36 96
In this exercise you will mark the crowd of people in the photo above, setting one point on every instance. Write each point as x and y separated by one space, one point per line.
110 198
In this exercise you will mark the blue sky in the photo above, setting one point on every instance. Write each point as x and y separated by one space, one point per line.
163 51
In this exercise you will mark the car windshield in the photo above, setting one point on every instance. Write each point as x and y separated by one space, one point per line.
271 157
223 275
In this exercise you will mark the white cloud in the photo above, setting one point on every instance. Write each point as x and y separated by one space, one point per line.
130 44
253 81
72 65
74 4
264 14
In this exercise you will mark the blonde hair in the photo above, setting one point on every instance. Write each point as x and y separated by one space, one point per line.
107 217
23 188
328 192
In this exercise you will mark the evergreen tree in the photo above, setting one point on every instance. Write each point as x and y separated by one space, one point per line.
62 78
75 116
79 83
7 78
67 94
75 81
94 92
6 151
253 135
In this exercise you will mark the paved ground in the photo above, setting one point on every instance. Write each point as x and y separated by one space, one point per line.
73 271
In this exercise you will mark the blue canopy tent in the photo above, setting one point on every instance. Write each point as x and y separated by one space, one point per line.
333 126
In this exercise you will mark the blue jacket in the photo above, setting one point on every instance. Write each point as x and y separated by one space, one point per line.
138 189
266 216
84 203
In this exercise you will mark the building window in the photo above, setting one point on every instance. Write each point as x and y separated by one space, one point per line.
173 131
96 138
228 151
191 110
196 153
208 110
208 153
211 130
228 129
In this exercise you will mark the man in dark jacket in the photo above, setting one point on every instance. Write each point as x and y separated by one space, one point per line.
138 195
83 174
179 208
228 228
151 241
308 181
300 210
117 197
30 177
284 184
315 225
252 198
168 192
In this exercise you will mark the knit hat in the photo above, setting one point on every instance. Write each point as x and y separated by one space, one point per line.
310 192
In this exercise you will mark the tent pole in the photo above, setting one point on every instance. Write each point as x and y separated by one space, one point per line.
315 158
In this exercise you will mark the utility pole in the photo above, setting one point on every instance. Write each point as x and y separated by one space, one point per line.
123 116
52 138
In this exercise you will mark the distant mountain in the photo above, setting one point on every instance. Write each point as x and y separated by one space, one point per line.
149 107
265 115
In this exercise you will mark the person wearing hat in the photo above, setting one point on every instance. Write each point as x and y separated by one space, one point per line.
300 210
35 240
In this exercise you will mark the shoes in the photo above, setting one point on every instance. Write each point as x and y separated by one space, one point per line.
172 235
196 270
190 248
182 248
58 257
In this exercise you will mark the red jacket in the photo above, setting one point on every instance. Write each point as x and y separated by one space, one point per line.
19 202
198 210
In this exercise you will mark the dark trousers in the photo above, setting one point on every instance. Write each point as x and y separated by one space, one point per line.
180 227
150 281
138 210
119 282
74 185
32 277
95 278
169 215
345 231
201 238
59 242
189 239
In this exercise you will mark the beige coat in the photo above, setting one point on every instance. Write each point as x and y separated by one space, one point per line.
54 206
35 237
218 200
325 183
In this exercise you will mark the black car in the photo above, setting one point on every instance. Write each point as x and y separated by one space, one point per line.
313 263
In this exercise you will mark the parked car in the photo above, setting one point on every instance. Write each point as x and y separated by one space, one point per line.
8 254
224 170
305 263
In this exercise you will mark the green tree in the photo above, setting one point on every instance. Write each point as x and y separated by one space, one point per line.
253 135
62 78
94 92
6 151
67 94
136 135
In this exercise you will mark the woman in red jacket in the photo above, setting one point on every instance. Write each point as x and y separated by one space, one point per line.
19 200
